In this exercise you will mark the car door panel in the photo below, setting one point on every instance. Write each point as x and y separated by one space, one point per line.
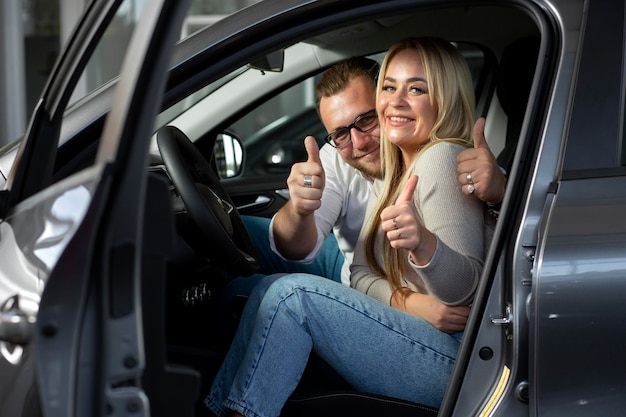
39 230
89 357
578 300
258 196
579 277
38 223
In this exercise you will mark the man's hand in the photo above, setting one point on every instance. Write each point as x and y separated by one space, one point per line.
448 319
478 169
294 228
306 181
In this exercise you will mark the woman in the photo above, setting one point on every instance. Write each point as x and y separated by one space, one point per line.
425 105
374 347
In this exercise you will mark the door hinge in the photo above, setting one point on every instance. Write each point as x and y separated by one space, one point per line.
506 321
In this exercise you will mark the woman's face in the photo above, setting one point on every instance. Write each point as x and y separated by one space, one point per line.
404 105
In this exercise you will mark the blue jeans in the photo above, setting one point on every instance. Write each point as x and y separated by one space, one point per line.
374 347
327 264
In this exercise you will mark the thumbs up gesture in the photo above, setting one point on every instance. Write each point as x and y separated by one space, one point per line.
404 229
306 180
400 221
479 173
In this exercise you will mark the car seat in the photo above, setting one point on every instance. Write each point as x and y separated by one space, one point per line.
514 79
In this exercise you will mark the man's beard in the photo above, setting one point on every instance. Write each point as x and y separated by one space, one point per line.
370 170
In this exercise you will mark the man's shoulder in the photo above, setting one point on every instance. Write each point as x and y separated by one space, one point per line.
329 155
332 161
342 177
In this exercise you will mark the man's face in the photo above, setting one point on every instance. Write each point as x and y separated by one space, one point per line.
363 151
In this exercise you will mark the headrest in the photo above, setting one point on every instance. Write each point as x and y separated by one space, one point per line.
515 75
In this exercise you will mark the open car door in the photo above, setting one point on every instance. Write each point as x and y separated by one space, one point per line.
71 330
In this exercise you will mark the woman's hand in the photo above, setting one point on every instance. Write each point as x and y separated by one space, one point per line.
479 173
448 319
404 229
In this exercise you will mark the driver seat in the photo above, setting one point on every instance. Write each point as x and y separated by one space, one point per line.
323 392
354 403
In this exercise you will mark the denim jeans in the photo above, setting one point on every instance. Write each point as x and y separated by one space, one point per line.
373 346
327 264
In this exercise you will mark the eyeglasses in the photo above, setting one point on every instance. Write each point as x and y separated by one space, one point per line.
363 123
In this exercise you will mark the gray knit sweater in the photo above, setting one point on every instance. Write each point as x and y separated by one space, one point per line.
458 222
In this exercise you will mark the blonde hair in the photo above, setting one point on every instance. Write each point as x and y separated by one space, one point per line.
451 93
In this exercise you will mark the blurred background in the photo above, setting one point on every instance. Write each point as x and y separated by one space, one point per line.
34 31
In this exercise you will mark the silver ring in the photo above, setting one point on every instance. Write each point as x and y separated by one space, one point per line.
308 181
469 178
471 189
395 225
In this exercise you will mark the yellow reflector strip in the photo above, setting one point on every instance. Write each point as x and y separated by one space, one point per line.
496 396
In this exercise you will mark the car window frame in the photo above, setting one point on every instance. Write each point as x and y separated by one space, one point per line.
596 132
34 161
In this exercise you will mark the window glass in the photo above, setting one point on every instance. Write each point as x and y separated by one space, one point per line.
105 64
273 133
188 102
279 108
599 95
106 61
204 13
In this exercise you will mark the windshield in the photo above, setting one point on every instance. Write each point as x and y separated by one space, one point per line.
167 116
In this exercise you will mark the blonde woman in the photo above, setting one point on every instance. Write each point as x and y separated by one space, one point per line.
375 347
425 236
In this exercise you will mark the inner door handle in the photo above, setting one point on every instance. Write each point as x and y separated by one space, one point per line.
16 326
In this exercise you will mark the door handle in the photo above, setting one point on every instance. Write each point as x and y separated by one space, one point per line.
260 201
16 326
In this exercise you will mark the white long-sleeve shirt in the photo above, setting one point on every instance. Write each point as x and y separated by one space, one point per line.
344 202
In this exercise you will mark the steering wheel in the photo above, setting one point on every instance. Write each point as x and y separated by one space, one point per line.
223 235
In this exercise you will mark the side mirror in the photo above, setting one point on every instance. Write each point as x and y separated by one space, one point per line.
228 155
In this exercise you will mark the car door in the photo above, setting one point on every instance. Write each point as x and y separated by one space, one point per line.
70 329
547 344
30 213
576 309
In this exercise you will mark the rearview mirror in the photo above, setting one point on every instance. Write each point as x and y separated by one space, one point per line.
272 62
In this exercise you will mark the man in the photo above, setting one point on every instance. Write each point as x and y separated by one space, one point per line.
330 190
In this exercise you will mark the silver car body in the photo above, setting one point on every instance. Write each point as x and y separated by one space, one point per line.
546 335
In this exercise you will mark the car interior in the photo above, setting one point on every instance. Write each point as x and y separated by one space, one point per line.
235 159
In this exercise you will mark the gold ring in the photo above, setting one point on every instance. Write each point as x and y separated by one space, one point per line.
399 235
